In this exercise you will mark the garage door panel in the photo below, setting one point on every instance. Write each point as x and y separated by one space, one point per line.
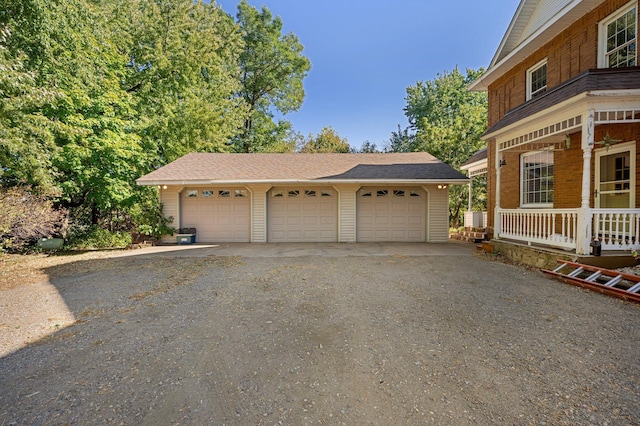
391 214
216 218
309 216
399 220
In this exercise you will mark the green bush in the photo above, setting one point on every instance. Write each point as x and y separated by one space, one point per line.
97 238
149 220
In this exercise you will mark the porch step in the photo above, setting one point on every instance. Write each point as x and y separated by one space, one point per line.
469 236
606 281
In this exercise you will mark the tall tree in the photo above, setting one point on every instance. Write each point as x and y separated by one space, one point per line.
272 70
368 147
26 135
401 141
449 121
65 47
327 141
184 73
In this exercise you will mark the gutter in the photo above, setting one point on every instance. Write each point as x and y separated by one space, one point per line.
452 181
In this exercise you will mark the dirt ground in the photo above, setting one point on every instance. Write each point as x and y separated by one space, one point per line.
212 338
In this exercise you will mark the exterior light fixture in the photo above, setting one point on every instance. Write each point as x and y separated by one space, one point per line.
164 186
503 162
441 186
567 142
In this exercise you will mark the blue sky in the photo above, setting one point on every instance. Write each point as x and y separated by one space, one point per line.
365 54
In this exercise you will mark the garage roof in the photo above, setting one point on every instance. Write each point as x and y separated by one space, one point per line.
204 168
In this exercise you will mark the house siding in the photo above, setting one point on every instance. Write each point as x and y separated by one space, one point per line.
169 198
347 214
259 213
437 214
572 52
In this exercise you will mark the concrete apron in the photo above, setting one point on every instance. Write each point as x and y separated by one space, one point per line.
306 249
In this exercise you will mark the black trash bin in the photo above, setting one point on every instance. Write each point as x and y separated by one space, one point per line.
596 247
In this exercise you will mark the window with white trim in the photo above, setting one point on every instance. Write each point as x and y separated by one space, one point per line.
537 79
537 179
618 38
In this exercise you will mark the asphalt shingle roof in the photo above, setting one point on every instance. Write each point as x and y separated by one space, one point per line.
248 168
479 155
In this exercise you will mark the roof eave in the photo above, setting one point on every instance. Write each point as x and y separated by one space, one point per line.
474 165
446 181
536 40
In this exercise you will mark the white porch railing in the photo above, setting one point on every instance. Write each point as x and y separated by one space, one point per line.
554 227
617 229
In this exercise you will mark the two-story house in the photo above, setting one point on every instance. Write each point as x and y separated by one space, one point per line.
564 126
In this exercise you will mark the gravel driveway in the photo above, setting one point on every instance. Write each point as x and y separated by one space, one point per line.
362 334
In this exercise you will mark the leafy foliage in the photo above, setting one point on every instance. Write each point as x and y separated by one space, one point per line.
95 93
272 68
98 238
448 121
326 141
183 71
26 134
368 147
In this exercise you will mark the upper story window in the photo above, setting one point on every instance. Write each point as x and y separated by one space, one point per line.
618 35
537 179
537 79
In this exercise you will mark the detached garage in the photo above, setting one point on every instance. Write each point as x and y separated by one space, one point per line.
307 197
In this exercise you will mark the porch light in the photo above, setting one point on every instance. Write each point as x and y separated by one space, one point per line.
441 186
567 142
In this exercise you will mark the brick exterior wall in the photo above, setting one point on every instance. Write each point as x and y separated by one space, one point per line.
571 53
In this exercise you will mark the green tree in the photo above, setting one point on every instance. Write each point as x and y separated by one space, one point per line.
26 135
368 147
184 72
448 121
272 70
326 141
96 152
401 141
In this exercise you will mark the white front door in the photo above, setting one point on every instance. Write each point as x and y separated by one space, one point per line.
615 177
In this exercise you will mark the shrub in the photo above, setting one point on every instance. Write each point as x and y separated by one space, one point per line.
25 217
97 238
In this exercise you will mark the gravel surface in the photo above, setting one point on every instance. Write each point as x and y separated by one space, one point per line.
378 340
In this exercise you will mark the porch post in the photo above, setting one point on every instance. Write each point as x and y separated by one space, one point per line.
470 200
497 225
583 239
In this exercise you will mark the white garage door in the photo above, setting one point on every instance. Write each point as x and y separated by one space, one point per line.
219 215
391 214
302 215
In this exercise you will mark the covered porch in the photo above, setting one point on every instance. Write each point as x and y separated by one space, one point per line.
573 185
